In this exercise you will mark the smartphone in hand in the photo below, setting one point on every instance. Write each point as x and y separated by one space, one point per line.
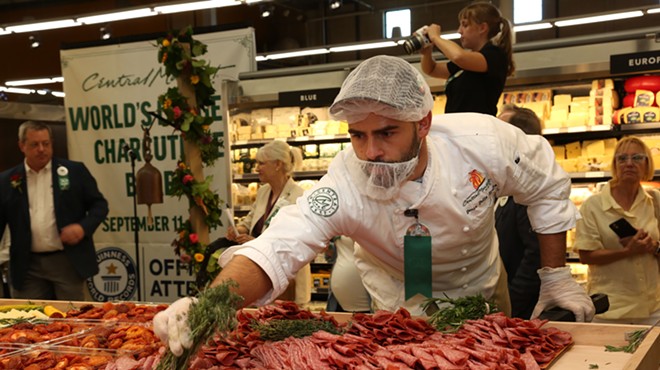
623 228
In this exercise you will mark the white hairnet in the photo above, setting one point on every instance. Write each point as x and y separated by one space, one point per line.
386 86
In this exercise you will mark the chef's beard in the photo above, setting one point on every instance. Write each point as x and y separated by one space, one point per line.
383 180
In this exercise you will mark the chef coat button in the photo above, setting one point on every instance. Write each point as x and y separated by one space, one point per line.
453 191
466 229
464 252
463 269
465 286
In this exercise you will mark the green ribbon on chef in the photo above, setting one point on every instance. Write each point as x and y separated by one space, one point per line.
417 258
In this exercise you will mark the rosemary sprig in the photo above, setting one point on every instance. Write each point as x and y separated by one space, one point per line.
635 338
276 330
215 310
452 313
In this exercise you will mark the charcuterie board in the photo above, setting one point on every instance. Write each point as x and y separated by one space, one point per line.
586 352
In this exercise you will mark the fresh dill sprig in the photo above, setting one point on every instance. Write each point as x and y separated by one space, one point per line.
452 313
215 310
276 330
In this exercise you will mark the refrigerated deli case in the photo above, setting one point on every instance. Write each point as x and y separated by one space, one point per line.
586 352
563 67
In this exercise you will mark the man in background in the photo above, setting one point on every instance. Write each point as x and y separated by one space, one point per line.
52 207
519 245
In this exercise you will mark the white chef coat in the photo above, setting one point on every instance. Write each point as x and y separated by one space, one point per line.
473 159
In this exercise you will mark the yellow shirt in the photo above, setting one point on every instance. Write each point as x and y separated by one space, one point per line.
631 284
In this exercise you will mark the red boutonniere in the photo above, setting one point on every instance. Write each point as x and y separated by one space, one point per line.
16 181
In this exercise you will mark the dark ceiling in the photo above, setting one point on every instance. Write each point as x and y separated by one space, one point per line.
296 24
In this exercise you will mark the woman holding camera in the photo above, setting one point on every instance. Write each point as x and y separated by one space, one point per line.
475 72
622 266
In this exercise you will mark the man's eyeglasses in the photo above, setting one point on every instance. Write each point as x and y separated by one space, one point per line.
635 158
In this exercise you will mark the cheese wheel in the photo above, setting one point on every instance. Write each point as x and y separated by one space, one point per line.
641 114
628 100
621 115
651 83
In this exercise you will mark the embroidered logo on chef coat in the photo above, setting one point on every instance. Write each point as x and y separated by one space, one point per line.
483 194
324 202
476 178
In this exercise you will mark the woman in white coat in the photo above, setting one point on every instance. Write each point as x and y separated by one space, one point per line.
275 164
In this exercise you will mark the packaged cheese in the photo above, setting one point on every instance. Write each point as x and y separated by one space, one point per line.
561 100
643 98
560 151
573 150
641 114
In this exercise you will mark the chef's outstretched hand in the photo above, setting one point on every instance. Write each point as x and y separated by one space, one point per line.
171 325
559 289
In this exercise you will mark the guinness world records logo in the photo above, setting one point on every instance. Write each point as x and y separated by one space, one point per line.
117 278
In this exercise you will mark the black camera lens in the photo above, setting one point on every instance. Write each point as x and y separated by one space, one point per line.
413 43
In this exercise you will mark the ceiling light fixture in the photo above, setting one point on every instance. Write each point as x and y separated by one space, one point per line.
653 11
198 5
599 18
42 26
532 27
266 10
106 32
300 53
335 4
17 90
34 81
35 41
371 45
117 16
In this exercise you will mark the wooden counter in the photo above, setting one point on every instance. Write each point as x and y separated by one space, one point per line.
588 349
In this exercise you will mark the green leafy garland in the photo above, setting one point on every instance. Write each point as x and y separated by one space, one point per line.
195 129
193 126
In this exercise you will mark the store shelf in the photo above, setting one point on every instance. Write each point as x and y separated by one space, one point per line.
298 175
596 176
318 139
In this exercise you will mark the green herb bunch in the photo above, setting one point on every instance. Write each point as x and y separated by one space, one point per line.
276 330
214 311
452 313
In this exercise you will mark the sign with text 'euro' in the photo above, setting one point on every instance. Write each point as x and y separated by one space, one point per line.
647 61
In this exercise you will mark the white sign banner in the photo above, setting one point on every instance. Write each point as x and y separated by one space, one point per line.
109 92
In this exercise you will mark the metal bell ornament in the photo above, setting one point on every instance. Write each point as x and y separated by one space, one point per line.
149 181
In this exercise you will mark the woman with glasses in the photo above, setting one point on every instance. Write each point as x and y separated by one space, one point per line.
626 269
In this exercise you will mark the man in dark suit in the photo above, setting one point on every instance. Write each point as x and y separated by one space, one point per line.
519 246
52 207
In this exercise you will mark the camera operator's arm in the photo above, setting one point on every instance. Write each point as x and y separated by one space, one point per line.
428 64
465 59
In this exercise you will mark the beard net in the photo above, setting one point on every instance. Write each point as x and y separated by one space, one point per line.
380 180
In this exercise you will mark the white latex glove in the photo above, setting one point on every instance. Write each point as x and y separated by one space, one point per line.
171 325
558 288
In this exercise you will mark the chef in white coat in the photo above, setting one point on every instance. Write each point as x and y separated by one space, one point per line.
407 170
